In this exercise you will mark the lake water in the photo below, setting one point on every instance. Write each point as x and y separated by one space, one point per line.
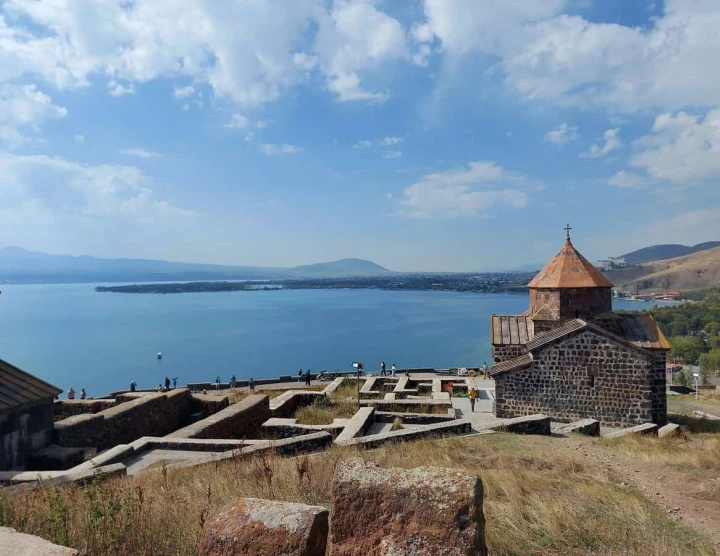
70 335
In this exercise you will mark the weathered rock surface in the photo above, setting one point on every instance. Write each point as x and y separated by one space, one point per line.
254 527
20 544
404 512
588 427
671 429
645 428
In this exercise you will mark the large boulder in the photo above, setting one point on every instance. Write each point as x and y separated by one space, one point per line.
254 527
404 512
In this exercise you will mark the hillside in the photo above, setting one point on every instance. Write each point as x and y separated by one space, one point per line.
20 265
666 251
687 273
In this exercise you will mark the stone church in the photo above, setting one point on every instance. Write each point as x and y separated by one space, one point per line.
571 357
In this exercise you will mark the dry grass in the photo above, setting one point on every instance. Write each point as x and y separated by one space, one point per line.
323 411
347 389
537 501
694 452
397 424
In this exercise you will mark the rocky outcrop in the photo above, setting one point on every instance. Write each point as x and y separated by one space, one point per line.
254 527
403 512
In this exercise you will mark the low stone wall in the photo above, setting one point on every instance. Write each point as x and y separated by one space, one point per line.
23 431
457 426
68 408
285 405
241 420
208 404
287 428
413 418
358 425
145 415
406 405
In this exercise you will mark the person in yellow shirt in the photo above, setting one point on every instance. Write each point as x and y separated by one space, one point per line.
473 397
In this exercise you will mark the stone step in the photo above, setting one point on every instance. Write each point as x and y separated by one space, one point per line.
705 415
645 428
529 424
671 429
588 427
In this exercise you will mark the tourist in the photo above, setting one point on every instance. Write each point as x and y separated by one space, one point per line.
251 385
307 378
393 368
217 382
83 395
167 384
159 388
299 375
71 394
485 370
133 385
174 382
204 392
473 395
233 381
382 369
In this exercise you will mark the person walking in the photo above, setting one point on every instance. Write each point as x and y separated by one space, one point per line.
307 378
133 385
299 375
382 369
174 382
71 394
83 395
167 384
217 382
473 397
485 369
251 385
233 381
393 368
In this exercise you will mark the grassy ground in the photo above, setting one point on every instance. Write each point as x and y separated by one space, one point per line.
240 395
697 452
708 401
323 411
538 500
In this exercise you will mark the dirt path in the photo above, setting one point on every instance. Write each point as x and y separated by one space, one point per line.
680 494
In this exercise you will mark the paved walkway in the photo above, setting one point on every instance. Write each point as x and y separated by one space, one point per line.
483 414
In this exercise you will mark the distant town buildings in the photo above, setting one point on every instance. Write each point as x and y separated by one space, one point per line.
612 263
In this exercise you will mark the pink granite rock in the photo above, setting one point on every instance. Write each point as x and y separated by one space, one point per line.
404 512
254 527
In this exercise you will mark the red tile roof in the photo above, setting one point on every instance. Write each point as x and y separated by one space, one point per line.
569 269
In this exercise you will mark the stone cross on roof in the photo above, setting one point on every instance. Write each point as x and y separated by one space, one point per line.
567 230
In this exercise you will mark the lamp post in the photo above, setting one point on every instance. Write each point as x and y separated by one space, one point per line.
359 366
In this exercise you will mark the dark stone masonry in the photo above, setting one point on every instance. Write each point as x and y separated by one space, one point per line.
570 357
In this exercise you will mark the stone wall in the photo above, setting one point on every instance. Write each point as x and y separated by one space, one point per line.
285 405
241 420
68 408
659 395
208 404
585 375
147 415
24 431
503 353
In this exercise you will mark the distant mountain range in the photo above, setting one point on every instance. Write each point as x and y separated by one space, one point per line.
666 251
697 271
20 265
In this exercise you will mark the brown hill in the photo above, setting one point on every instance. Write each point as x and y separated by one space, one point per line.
690 272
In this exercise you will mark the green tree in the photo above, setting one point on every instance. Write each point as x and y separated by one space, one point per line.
709 363
712 328
688 348
682 378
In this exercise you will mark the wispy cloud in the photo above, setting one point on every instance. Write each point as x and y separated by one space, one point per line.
273 149
364 144
612 143
142 153
237 121
392 154
115 89
562 135
184 92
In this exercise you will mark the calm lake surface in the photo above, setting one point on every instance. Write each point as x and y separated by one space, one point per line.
70 335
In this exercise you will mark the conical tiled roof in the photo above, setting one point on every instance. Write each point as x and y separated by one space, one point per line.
569 269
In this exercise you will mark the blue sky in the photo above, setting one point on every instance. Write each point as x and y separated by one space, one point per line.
421 134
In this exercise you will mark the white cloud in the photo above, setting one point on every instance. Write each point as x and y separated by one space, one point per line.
683 148
356 36
184 92
142 153
688 228
392 154
629 180
115 89
285 148
364 144
392 140
61 189
468 192
22 107
612 143
79 138
562 135
238 121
